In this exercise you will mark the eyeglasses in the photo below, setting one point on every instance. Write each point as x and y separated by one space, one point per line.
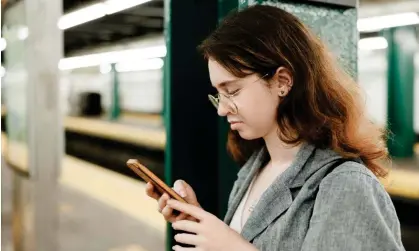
227 99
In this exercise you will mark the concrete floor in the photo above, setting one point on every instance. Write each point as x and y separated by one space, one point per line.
86 224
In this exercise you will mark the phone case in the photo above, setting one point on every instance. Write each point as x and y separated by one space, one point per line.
149 176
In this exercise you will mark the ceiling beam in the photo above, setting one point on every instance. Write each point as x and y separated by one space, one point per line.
371 9
347 3
148 11
141 21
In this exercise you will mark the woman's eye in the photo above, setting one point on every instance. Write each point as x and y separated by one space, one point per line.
233 92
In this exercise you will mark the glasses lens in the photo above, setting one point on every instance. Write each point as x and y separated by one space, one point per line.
214 100
229 104
226 101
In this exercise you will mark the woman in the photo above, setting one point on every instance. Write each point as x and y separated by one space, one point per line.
311 156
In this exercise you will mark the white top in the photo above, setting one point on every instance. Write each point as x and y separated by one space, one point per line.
237 222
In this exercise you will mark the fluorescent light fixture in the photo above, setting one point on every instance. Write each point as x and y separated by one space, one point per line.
105 68
96 11
112 57
81 16
2 71
381 22
141 65
372 43
3 44
22 33
113 6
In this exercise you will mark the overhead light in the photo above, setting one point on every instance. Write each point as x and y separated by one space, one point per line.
105 68
372 43
81 16
22 33
113 6
3 44
96 11
112 57
371 24
2 71
141 65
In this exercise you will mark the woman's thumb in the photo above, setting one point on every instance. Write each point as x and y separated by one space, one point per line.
186 191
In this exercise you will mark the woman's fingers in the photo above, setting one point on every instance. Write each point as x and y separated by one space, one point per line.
150 191
162 202
186 208
190 239
187 225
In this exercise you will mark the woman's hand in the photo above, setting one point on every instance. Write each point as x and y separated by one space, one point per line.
208 233
180 187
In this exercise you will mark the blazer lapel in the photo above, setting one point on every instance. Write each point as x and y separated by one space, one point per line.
276 199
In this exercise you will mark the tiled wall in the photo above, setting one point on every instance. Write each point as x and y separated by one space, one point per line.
336 26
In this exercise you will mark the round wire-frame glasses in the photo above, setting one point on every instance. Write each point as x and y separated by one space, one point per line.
227 99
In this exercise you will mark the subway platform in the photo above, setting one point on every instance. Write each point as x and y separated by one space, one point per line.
98 211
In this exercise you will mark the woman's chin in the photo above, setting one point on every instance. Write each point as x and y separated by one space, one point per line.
247 135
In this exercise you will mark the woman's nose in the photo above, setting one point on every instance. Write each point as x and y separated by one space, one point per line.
222 110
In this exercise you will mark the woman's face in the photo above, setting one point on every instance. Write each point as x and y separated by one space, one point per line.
256 101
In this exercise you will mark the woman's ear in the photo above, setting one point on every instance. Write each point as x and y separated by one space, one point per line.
284 80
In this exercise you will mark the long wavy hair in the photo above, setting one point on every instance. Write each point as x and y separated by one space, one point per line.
325 106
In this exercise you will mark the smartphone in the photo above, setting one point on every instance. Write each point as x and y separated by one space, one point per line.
149 176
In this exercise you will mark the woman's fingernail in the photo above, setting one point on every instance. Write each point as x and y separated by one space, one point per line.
182 193
174 247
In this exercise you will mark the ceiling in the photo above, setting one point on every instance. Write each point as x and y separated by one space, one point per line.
125 25
134 22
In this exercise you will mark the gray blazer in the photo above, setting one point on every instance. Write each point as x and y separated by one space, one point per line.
319 203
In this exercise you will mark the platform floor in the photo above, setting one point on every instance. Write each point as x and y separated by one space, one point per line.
88 223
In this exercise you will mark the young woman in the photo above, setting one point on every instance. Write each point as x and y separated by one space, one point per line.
311 157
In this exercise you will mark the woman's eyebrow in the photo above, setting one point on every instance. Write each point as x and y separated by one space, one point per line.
223 84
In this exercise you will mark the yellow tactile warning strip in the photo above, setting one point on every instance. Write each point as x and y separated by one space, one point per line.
403 179
117 131
3 110
17 155
112 189
403 183
128 248
399 182
142 117
118 191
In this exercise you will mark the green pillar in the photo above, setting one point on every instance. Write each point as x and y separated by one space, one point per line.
115 109
227 168
225 6
400 82
164 91
190 119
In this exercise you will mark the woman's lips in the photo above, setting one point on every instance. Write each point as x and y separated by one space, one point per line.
234 124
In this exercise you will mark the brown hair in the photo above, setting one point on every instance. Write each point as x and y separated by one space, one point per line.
324 106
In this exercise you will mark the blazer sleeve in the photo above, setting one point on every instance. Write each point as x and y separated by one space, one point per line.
353 211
